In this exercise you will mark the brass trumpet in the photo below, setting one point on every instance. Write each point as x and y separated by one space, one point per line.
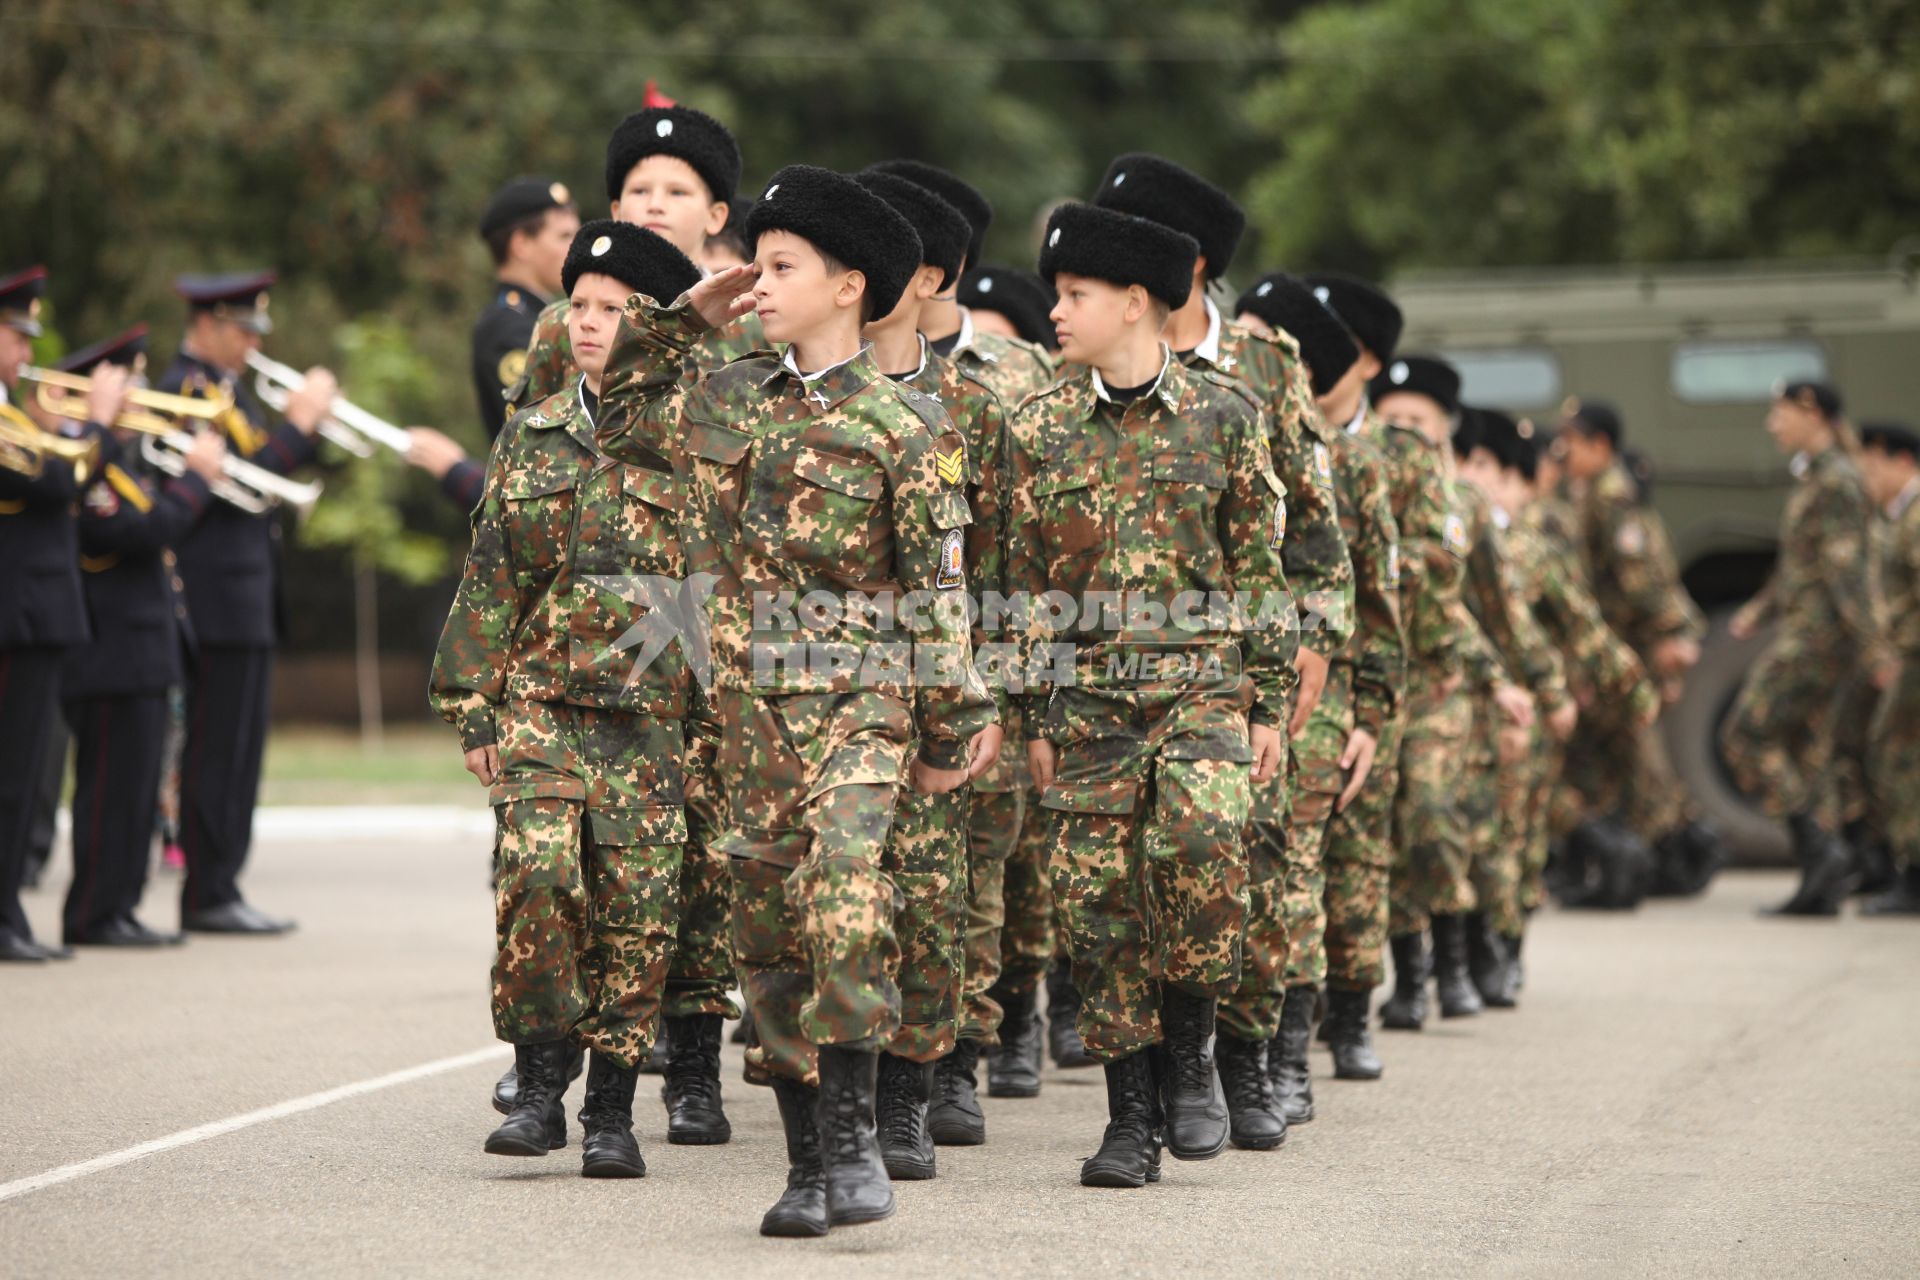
251 488
153 413
25 447
346 424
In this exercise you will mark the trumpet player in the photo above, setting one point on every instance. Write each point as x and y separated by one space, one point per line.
230 565
42 612
113 689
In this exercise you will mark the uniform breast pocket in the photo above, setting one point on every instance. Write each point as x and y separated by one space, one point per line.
719 469
650 533
1072 525
835 510
539 517
1187 488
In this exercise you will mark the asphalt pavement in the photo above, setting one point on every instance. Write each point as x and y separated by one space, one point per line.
1686 1090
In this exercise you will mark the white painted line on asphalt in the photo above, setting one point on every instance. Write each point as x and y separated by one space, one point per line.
355 822
214 1129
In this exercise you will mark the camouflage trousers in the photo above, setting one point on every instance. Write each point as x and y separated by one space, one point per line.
1032 936
1778 739
1852 746
1526 794
589 833
926 859
1614 765
1893 769
700 971
811 782
993 835
1495 866
1146 817
1359 857
1432 871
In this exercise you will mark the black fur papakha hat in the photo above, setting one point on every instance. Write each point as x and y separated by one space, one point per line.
634 256
1022 297
1427 376
962 195
1086 240
694 136
1161 191
845 221
1285 303
1370 315
943 230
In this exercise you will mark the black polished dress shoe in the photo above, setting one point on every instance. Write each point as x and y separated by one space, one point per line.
18 950
122 933
233 917
48 951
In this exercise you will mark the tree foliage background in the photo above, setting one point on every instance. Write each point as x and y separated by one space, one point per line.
351 144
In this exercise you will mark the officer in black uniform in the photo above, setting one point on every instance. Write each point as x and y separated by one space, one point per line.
114 689
529 225
42 612
230 565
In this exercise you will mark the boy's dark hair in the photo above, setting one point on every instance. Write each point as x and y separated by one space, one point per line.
1285 303
634 256
1822 397
1890 438
1591 419
1161 191
693 136
943 230
850 226
1105 244
520 205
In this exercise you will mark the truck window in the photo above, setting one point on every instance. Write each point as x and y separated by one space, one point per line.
1512 377
1742 372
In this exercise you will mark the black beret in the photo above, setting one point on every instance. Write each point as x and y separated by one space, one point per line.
1820 396
694 136
20 300
1086 240
1369 314
634 256
522 198
1161 191
964 196
845 221
1023 298
1891 437
123 349
1427 376
943 231
1593 418
1285 303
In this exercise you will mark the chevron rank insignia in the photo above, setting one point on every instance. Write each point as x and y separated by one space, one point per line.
952 466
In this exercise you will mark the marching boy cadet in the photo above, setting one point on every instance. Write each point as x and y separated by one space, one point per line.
581 746
1142 492
828 504
673 170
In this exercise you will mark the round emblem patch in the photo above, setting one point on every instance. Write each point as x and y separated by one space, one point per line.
512 365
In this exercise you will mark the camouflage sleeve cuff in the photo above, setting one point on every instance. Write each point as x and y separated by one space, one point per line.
944 753
1371 709
471 715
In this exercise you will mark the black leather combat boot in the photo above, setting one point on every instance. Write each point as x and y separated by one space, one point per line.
1487 962
692 1087
1254 1122
1064 1045
1451 984
1406 1008
901 1117
1013 1067
1826 870
1347 1034
801 1209
955 1118
538 1122
1196 1113
609 1149
1129 1154
858 1189
1287 1056
508 1084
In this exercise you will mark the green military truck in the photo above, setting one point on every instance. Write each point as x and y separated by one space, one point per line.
1689 355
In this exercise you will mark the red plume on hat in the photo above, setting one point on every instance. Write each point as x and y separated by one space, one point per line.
655 98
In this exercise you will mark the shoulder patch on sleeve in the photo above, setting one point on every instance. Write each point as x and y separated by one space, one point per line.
1631 537
511 366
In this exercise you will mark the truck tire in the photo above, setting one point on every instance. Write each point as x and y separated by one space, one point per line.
1692 728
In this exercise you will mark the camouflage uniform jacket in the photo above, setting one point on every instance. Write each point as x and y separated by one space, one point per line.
1170 503
1630 564
1316 557
845 484
1378 651
541 610
1014 368
549 364
1821 587
1490 594
1547 576
1433 547
1900 574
